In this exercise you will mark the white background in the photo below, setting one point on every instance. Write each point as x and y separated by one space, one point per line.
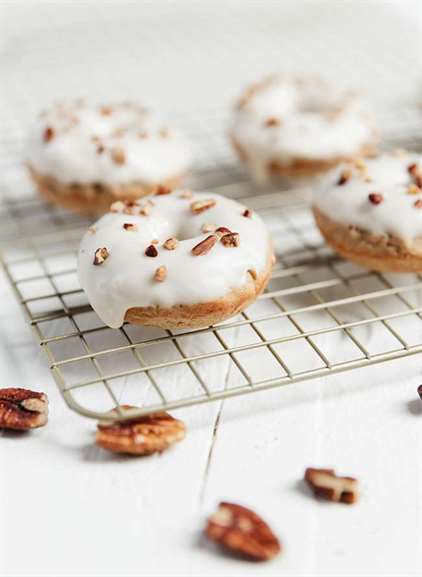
68 508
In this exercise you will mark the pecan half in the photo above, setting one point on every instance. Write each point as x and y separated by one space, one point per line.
48 134
171 243
222 230
101 254
151 250
160 274
21 409
199 206
140 436
242 531
326 484
205 245
231 240
130 226
375 198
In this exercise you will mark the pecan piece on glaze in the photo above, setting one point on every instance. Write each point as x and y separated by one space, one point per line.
101 254
253 273
375 198
141 435
247 213
48 134
231 240
171 243
418 203
243 532
199 206
344 177
419 389
151 250
272 121
327 485
118 156
21 409
205 245
130 226
160 274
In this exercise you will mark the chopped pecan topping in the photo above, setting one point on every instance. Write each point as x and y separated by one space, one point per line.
161 189
243 532
222 230
412 169
326 484
416 173
171 243
205 245
413 189
118 156
418 203
48 134
375 197
100 149
101 254
21 409
247 213
420 391
106 110
232 239
151 250
160 274
186 194
344 177
208 227
142 435
272 121
145 210
117 206
201 205
253 273
130 226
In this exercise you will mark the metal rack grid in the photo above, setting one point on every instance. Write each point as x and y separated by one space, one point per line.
318 316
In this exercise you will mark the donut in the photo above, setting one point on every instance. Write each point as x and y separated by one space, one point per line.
293 127
85 157
174 260
370 211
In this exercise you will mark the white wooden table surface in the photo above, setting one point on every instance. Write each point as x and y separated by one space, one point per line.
68 508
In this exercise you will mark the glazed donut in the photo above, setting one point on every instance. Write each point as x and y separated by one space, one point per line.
174 260
371 212
85 157
290 127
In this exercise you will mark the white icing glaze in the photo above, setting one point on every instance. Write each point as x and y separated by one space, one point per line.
316 122
389 176
71 155
126 278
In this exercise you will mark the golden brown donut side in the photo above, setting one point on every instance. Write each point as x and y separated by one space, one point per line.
204 314
384 253
304 166
93 198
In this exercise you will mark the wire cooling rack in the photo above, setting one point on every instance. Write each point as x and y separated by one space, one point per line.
319 315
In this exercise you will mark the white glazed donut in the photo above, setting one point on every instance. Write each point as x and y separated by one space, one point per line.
292 127
85 157
371 211
174 260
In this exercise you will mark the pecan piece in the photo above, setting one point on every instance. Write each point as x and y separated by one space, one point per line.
101 254
344 177
418 203
222 230
118 156
413 189
48 134
199 206
161 190
326 484
375 198
205 245
21 409
242 531
130 226
232 239
419 389
142 435
171 243
151 250
160 274
272 121
247 213
253 273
